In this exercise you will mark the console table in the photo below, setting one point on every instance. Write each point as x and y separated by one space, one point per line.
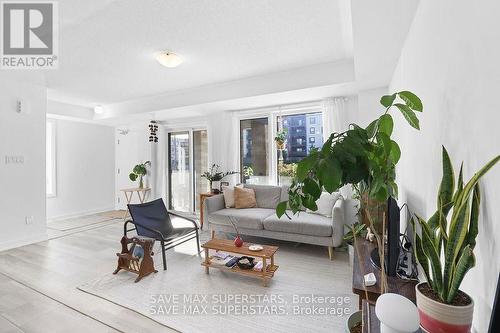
396 285
203 196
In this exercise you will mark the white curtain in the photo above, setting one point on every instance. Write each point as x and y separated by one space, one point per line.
223 143
334 115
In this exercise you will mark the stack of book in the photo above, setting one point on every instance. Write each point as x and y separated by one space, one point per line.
225 259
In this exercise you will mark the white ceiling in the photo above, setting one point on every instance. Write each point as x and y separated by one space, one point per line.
107 47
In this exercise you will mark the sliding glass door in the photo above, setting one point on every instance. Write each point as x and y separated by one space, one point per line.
187 159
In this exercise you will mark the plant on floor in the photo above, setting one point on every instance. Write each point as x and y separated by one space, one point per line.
359 155
139 171
445 246
215 175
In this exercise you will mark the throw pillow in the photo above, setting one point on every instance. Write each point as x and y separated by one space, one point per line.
228 192
325 204
244 198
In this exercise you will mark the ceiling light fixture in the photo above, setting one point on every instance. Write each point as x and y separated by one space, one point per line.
168 59
98 109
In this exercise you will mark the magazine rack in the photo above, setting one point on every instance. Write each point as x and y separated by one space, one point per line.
127 261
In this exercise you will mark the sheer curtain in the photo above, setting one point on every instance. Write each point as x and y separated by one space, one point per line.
334 111
224 143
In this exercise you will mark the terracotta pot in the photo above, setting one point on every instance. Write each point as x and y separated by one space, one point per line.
437 317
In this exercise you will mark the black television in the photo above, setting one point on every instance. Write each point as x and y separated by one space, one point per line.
393 240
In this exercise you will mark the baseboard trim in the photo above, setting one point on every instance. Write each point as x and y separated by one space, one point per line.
11 244
79 214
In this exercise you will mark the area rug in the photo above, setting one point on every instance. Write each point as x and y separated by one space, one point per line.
79 222
309 293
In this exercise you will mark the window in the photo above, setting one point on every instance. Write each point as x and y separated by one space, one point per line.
254 151
304 134
50 164
188 158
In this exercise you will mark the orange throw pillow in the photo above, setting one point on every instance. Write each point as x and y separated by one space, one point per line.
244 198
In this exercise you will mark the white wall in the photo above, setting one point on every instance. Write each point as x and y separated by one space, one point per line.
451 60
22 185
85 158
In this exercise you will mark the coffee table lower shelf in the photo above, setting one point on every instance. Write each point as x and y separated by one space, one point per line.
265 276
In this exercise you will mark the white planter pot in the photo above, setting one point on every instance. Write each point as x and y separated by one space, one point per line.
443 318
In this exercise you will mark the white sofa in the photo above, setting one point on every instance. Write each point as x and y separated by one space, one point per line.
262 221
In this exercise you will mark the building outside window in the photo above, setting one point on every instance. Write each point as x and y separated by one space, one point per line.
303 134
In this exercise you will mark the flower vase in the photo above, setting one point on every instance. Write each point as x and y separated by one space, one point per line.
238 242
141 183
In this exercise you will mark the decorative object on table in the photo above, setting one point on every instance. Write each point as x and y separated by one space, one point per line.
246 262
214 176
280 139
153 128
444 249
397 314
222 185
139 171
136 258
255 247
225 245
152 219
238 242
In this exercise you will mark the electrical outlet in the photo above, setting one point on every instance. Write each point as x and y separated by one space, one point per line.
29 220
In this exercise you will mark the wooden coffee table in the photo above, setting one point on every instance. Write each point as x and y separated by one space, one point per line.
226 245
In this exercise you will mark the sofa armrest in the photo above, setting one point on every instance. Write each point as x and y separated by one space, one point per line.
213 204
338 220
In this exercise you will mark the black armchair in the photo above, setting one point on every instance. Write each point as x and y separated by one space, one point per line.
152 219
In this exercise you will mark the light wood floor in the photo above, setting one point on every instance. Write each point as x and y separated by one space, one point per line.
38 285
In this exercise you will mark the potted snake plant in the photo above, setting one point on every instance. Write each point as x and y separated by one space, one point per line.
444 249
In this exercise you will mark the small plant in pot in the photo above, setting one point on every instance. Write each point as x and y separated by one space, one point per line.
139 171
280 139
444 249
215 175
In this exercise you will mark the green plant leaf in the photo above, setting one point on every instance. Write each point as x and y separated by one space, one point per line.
460 183
281 208
474 216
420 255
385 141
387 100
411 100
132 176
312 188
409 115
464 264
386 124
303 168
309 202
330 174
371 128
395 153
431 253
445 194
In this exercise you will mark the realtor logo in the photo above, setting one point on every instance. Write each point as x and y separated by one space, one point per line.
29 35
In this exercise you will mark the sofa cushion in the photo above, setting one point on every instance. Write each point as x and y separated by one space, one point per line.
303 223
249 218
267 196
244 198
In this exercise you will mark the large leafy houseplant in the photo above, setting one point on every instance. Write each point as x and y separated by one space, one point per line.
358 156
445 246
